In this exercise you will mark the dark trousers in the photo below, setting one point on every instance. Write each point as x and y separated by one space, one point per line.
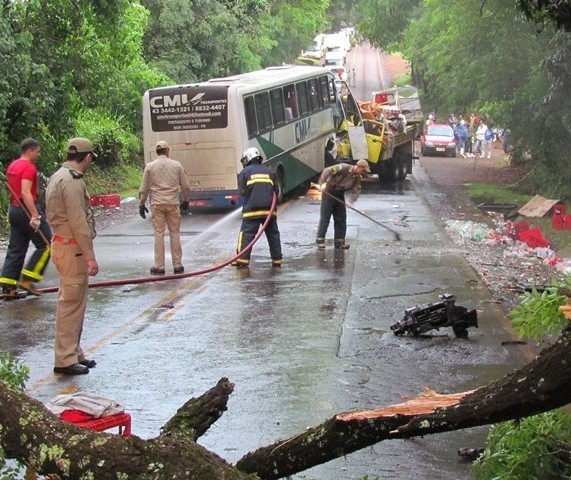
331 207
248 231
20 236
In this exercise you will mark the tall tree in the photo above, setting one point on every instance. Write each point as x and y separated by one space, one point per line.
63 58
384 22
304 17
196 40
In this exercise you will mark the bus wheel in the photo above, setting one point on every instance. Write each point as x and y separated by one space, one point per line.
280 184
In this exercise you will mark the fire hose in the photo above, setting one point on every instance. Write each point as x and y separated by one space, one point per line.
134 281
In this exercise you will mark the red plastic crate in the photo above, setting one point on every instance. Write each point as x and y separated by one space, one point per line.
121 420
520 227
559 209
95 200
534 238
562 222
111 201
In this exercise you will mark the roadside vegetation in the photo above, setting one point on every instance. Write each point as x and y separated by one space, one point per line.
507 61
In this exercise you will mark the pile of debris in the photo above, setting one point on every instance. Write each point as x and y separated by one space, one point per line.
517 253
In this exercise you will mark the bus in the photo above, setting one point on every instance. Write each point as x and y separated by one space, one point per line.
289 113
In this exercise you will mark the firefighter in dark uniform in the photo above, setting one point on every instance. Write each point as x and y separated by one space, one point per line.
257 184
71 218
334 181
27 223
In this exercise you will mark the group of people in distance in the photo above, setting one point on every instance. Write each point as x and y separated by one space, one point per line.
474 136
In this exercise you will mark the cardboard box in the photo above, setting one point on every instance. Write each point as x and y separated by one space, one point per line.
538 206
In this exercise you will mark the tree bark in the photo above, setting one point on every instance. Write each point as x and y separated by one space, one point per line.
50 446
40 440
542 385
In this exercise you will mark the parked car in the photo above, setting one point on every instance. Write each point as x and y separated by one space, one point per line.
438 139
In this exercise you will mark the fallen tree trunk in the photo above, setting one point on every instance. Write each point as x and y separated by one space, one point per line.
40 440
50 446
542 385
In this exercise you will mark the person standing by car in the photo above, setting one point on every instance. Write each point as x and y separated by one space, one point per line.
334 181
163 179
257 184
463 136
27 223
482 127
70 215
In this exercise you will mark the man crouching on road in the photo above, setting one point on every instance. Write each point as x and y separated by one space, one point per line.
334 181
71 219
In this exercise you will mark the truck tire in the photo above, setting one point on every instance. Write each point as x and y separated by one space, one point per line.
405 161
395 168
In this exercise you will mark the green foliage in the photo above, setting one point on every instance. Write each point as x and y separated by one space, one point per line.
543 12
486 193
384 22
13 371
402 80
121 178
537 316
342 13
114 139
15 374
533 448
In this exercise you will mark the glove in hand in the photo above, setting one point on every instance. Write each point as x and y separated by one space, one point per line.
35 223
143 211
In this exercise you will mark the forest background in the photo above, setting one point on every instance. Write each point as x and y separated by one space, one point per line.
80 67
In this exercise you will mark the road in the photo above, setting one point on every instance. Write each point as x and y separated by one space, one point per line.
301 343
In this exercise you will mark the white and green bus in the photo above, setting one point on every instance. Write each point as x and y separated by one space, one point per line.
289 113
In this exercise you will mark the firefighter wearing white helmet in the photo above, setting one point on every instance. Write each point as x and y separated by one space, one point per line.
257 184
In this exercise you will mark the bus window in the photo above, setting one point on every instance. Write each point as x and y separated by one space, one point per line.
290 97
313 94
324 90
303 97
332 91
263 112
277 101
251 122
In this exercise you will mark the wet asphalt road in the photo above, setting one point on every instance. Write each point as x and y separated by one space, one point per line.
301 343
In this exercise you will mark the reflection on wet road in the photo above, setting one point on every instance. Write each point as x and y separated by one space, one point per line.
301 343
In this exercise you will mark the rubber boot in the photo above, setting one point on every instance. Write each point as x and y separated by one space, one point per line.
340 244
462 153
29 286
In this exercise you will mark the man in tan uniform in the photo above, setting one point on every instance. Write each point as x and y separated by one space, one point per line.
71 219
164 178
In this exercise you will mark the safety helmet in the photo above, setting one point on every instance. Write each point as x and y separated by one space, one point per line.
251 155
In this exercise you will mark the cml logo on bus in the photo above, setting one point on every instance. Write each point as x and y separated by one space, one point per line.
175 100
302 129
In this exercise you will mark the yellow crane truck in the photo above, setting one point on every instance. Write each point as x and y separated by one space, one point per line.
378 132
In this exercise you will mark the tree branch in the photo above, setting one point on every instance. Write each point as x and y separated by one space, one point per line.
542 385
196 416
